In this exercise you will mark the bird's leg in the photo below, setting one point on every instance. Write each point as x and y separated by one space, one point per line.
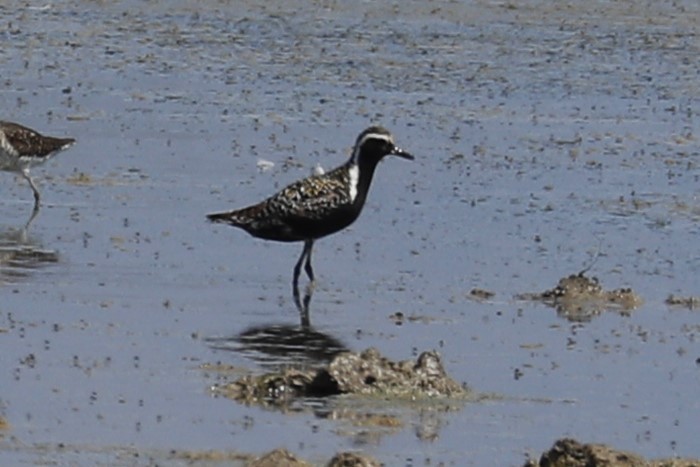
307 267
309 272
297 273
297 267
37 197
297 300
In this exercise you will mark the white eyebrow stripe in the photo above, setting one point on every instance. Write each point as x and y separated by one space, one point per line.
383 136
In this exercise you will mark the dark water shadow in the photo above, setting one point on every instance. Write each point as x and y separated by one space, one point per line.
282 344
21 254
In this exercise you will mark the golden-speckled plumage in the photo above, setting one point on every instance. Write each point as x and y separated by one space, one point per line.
299 211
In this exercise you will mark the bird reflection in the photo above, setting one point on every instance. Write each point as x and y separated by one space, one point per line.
32 216
302 304
21 253
282 344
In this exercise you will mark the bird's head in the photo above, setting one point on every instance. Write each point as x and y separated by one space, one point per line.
375 143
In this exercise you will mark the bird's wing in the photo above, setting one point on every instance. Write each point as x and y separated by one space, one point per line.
312 198
27 142
22 139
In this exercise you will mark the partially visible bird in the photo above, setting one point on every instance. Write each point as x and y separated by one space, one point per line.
319 205
22 148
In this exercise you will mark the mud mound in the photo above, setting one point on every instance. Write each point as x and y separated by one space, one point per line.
365 373
570 453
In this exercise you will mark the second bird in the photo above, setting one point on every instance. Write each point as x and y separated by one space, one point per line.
22 148
318 205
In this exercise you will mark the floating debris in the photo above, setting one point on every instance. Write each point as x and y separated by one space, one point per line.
80 179
264 165
687 302
481 294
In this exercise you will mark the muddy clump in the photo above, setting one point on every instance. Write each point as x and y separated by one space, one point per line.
366 373
580 298
284 458
274 389
278 458
351 459
369 373
571 453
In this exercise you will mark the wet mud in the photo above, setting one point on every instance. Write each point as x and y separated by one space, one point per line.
549 138
571 453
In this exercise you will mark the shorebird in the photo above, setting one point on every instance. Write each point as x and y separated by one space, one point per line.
319 205
22 148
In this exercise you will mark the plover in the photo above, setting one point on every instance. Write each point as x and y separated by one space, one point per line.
22 148
319 205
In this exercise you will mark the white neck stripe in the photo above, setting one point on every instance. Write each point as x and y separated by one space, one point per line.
354 174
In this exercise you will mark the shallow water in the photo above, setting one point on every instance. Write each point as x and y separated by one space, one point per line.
547 141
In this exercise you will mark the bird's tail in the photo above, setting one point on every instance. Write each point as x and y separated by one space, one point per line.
238 217
58 144
66 143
